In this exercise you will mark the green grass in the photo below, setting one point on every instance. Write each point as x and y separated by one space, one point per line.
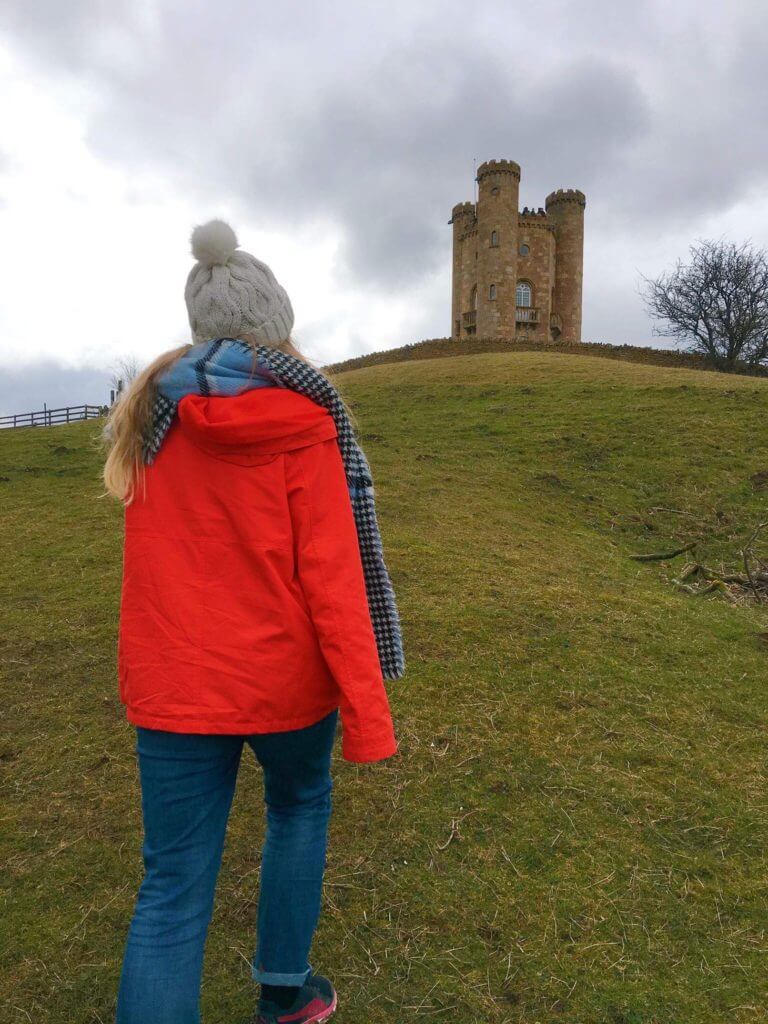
593 739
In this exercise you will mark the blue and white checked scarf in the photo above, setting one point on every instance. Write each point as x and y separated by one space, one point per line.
226 366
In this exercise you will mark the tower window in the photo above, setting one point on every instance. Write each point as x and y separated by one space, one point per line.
495 191
473 297
524 249
492 292
494 238
523 294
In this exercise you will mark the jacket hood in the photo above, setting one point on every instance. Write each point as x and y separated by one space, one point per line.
260 421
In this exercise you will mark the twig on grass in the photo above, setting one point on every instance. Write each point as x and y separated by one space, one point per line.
455 830
746 552
662 556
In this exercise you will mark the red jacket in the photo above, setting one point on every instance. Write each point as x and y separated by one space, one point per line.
243 606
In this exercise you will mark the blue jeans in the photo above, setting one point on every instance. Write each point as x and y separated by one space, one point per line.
187 785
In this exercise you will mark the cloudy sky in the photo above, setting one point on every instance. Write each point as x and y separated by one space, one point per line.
336 137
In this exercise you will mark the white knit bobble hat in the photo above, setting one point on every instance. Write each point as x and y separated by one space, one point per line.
230 293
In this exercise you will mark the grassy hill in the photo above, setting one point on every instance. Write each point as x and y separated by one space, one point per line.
576 826
440 348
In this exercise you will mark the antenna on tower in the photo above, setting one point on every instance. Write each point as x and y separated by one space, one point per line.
474 177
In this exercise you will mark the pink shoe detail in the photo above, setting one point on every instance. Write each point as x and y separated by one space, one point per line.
317 1007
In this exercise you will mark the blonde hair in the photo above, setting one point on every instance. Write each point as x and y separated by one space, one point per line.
129 421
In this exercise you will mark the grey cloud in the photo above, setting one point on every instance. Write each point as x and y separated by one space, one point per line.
27 388
380 141
370 116
377 157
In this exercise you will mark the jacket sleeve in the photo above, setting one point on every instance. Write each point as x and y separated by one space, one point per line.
330 572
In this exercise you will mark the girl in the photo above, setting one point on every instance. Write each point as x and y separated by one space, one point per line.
255 607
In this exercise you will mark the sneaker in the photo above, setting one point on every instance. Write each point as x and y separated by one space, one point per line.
315 1002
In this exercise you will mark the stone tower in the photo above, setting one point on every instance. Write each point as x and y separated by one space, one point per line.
517 275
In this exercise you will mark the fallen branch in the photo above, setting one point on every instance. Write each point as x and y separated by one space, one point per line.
687 587
746 552
707 588
730 584
676 511
689 570
726 577
664 555
713 585
696 578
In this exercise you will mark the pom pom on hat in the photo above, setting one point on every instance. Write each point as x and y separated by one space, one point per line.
229 293
213 243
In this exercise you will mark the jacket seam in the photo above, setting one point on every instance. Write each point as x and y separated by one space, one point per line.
332 603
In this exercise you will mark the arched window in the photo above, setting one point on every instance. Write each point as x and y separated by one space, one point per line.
523 294
473 297
494 238
492 292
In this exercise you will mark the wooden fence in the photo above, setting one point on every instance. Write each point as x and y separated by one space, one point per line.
53 417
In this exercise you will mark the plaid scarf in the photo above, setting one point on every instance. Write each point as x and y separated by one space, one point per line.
226 366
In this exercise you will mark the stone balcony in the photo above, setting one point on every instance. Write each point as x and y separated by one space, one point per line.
526 315
469 319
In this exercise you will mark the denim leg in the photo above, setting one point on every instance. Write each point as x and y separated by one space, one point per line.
297 793
187 785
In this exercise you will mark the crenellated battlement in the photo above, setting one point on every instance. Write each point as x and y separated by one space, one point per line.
535 221
462 210
565 195
498 167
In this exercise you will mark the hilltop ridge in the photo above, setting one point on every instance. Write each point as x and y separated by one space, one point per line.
438 348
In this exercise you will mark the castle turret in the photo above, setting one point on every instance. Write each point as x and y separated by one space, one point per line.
499 187
462 281
565 211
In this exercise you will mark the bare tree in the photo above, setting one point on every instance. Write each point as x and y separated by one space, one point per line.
124 371
718 303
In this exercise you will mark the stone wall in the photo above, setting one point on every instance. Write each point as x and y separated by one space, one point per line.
537 267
